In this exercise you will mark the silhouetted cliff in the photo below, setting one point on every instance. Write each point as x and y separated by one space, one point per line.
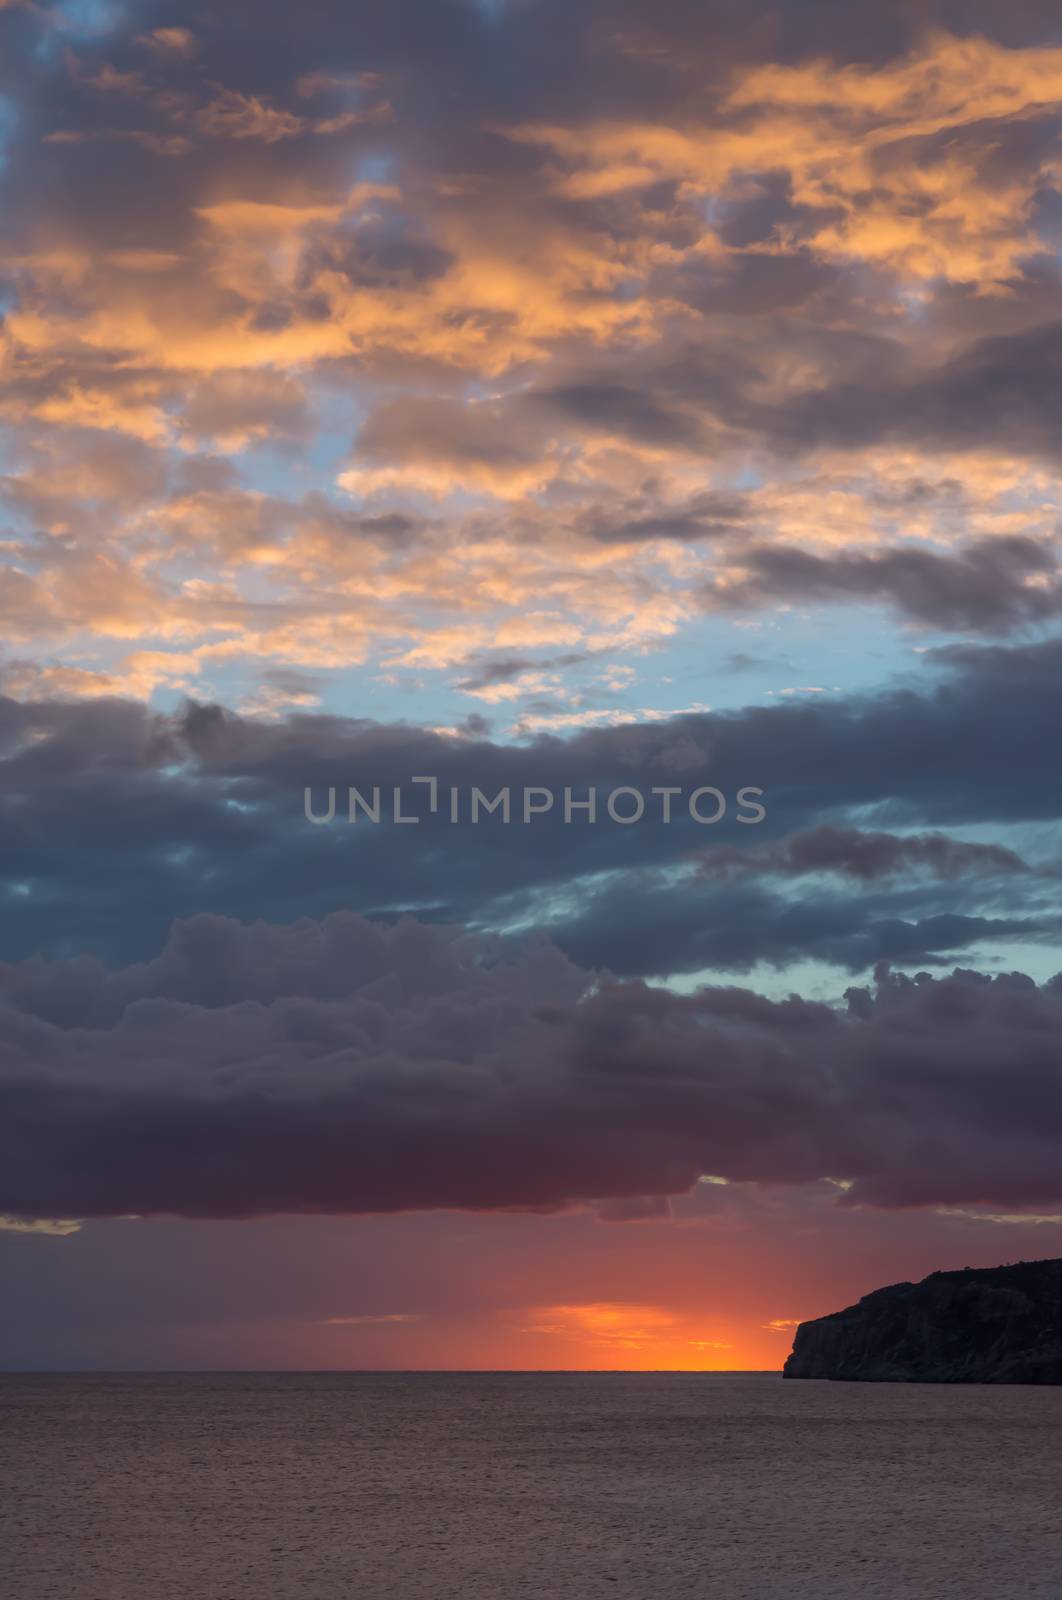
980 1325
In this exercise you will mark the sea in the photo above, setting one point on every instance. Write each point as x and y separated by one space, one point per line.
525 1486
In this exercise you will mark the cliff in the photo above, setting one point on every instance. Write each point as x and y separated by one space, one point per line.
980 1325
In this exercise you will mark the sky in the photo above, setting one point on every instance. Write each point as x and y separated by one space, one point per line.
549 399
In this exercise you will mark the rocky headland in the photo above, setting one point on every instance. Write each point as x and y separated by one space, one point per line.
978 1325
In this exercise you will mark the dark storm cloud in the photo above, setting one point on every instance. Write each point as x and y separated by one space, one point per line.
117 819
341 1067
967 746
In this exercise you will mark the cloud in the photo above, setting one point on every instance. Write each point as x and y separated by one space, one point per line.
1035 663
710 515
386 1319
648 925
866 856
57 1228
202 809
787 336
169 42
993 585
345 1067
997 394
902 164
232 115
488 676
440 445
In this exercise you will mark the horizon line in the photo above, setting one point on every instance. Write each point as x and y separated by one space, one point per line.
389 1372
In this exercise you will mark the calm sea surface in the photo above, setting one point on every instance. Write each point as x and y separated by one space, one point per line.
525 1487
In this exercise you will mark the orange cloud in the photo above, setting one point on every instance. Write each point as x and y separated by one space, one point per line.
169 42
449 310
865 142
231 115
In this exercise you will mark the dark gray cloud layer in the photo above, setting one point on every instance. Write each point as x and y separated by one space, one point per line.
117 819
345 1067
